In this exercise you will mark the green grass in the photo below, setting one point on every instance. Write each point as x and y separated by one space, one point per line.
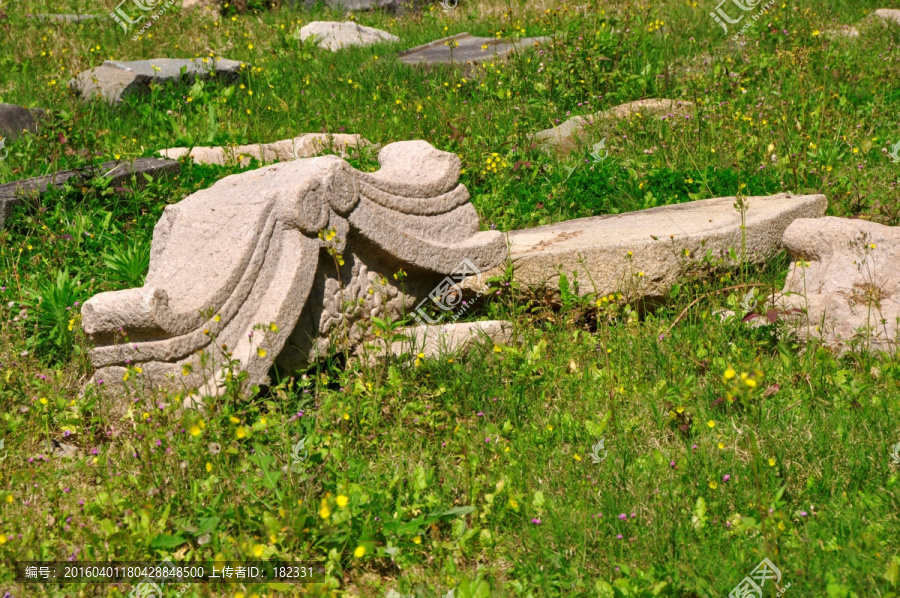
507 430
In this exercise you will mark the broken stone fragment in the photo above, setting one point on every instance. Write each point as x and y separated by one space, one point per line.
118 172
466 49
565 137
333 36
438 340
115 79
844 277
302 146
642 254
285 264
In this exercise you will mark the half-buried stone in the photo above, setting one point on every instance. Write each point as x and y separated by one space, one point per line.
118 172
569 134
302 146
466 49
114 79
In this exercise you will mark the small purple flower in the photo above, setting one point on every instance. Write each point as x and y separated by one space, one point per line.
672 464
726 477
618 536
803 513
536 521
623 516
694 447
480 414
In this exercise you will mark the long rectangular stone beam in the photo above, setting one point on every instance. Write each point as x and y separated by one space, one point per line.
119 172
642 254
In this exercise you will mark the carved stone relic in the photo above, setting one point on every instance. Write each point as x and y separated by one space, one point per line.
284 263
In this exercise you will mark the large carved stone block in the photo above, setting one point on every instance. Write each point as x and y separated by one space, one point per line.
286 262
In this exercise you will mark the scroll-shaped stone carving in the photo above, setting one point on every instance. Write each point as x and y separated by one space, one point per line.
282 262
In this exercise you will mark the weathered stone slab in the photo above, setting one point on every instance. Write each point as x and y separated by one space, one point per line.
303 146
116 79
14 120
65 18
285 263
642 254
119 172
463 48
844 277
438 341
334 36
565 137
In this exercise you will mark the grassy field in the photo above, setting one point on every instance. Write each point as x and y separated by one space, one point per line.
724 444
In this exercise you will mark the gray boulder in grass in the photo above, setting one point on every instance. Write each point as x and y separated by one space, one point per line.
844 276
282 263
116 79
334 36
